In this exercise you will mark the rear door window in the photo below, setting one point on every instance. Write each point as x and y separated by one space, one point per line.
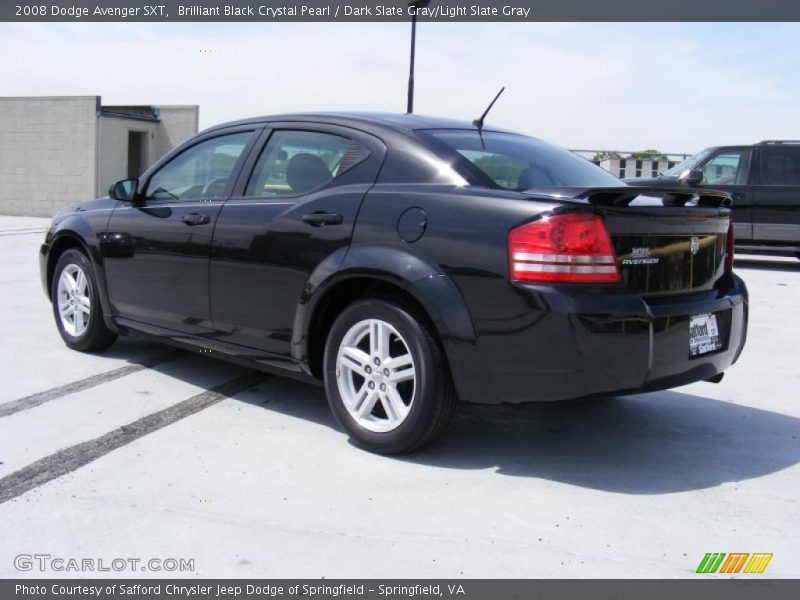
780 166
296 162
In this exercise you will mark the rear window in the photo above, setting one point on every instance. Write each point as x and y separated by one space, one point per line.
517 162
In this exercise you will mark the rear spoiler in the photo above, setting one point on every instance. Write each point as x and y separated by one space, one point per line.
624 195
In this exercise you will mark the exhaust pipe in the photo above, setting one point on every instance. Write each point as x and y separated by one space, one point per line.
716 378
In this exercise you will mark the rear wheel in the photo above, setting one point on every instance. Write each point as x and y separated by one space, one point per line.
386 379
76 304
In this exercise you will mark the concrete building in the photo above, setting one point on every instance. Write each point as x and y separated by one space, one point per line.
58 150
631 167
624 164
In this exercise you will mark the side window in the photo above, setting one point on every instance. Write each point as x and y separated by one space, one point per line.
727 168
202 171
780 166
295 162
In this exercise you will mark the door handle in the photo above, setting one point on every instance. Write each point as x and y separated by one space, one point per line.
195 219
319 219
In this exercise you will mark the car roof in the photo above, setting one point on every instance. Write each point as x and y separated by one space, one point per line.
761 143
366 121
776 142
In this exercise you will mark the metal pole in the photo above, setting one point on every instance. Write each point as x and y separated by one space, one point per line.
410 107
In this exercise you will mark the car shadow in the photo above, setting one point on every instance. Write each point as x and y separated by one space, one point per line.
657 443
138 351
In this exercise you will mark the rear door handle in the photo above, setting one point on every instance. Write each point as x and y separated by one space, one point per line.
318 219
195 219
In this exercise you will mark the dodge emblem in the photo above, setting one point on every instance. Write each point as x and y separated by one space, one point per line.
694 245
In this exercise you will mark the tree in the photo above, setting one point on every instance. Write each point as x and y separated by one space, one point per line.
649 154
606 155
502 169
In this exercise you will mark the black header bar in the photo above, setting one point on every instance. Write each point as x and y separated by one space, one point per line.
398 10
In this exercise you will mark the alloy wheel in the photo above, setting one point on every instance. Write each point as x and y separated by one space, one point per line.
376 375
73 297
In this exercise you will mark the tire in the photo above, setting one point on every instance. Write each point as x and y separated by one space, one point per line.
72 301
419 401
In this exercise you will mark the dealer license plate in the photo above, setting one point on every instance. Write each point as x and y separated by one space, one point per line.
704 334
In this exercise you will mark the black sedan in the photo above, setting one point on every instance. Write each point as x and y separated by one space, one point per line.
408 263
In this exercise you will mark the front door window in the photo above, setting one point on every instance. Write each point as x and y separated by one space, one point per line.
727 168
202 171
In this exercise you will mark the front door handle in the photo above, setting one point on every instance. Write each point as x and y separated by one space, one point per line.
318 219
195 219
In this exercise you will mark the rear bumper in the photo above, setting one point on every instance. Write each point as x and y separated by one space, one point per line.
574 342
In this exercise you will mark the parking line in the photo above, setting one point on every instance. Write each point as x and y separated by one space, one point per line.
21 232
67 460
39 398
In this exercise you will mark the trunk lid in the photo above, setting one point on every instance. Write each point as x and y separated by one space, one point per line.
666 241
668 253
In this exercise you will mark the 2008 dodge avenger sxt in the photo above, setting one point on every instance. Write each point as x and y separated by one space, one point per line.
409 263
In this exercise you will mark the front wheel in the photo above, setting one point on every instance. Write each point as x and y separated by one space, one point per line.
76 304
386 379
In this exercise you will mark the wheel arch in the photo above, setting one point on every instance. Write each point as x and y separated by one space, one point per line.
387 270
64 240
77 233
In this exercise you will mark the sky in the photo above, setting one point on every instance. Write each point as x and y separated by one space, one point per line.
677 87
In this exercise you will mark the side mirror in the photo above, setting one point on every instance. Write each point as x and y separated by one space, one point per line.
693 177
124 190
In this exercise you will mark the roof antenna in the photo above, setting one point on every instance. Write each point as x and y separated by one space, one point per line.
479 122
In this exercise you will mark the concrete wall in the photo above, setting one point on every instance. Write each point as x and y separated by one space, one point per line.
112 156
47 153
627 167
55 151
178 123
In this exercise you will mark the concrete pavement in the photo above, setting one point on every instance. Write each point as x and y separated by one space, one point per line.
152 456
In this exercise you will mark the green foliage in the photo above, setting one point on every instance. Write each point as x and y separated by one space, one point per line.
606 155
649 154
502 169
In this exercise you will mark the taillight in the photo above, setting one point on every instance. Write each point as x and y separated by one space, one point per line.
571 248
729 249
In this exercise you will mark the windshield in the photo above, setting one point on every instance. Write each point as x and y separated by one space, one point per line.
689 163
518 162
